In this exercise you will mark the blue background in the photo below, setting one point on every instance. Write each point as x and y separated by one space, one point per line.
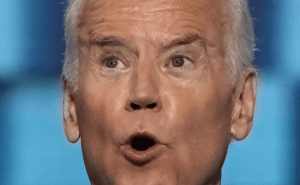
34 149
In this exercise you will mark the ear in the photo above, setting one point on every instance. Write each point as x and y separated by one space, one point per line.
244 104
69 115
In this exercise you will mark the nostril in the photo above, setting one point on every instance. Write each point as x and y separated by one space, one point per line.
135 106
142 143
151 106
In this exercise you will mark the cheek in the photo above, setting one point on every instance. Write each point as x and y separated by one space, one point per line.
203 113
97 103
200 126
95 107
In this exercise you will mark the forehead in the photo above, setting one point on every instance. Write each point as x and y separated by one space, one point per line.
151 6
154 18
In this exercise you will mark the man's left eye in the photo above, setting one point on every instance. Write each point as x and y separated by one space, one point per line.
180 62
113 62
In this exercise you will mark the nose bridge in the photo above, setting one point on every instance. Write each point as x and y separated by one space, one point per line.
145 73
144 77
144 87
144 82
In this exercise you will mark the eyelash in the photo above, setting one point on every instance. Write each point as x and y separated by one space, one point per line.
111 55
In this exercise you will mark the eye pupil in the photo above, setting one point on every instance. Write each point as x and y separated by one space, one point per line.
111 62
178 62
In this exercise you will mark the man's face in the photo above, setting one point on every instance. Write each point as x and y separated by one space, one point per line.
154 103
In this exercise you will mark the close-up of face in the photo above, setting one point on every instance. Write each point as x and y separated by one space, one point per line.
154 103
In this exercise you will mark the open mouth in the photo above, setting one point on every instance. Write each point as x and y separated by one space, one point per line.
141 149
142 142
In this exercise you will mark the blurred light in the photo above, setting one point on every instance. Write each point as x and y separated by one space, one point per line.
12 37
287 38
268 155
41 153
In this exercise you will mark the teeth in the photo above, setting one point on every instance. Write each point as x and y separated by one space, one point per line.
142 142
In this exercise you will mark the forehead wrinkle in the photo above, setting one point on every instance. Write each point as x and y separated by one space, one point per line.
123 6
112 8
192 7
88 9
96 10
200 16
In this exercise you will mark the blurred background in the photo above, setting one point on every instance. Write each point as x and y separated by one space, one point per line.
35 151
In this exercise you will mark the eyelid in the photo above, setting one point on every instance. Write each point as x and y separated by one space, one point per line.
108 55
180 55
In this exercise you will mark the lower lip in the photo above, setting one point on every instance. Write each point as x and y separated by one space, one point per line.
140 158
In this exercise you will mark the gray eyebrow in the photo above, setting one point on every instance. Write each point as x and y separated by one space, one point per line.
108 41
117 41
186 39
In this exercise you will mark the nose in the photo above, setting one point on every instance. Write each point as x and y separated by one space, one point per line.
144 91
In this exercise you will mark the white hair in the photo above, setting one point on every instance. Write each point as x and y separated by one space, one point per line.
70 72
239 42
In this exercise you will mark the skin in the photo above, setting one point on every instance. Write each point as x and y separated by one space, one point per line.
196 113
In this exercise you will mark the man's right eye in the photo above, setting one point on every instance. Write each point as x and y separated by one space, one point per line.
113 62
